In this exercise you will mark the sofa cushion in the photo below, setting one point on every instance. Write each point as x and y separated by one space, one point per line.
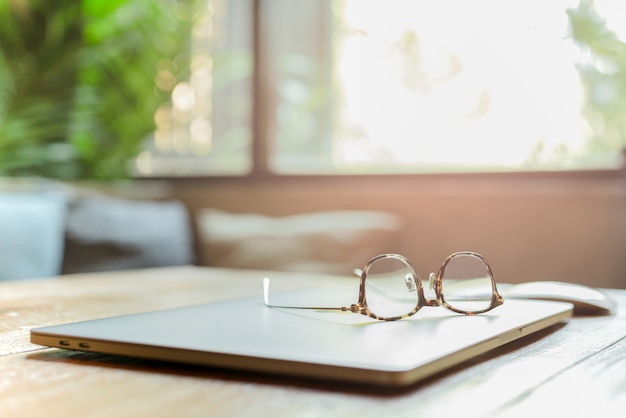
107 233
31 234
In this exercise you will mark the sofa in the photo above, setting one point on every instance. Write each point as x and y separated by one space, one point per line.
48 228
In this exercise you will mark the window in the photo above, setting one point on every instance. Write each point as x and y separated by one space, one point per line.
399 86
206 128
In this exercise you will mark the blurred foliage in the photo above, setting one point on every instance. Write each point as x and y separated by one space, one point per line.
78 92
603 77
77 81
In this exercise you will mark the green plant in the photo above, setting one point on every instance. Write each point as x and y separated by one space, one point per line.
603 77
77 82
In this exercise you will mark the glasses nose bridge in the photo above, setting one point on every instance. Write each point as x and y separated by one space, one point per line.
413 283
431 295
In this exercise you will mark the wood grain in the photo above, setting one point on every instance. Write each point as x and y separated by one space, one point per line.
27 304
578 365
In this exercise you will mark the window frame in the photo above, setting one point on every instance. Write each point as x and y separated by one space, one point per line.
261 143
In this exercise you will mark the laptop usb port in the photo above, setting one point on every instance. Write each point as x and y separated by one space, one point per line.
64 343
84 345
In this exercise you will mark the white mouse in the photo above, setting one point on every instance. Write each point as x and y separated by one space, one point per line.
586 300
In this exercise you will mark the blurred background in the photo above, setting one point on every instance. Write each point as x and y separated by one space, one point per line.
313 135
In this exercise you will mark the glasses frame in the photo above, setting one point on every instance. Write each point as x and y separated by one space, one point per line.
435 283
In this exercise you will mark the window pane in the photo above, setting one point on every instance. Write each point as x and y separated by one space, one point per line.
206 127
297 55
438 86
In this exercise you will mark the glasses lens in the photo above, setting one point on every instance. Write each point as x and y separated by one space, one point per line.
467 284
390 288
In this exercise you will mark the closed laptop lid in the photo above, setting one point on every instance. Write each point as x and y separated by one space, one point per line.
245 334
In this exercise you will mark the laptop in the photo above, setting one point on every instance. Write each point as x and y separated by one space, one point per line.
247 335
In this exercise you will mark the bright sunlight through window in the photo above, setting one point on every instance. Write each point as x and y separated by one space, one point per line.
444 85
447 86
404 86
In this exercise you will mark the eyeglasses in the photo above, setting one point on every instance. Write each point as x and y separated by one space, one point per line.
390 288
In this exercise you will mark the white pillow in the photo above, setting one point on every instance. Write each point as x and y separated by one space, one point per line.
332 242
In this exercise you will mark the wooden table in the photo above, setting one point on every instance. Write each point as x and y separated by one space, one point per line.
577 368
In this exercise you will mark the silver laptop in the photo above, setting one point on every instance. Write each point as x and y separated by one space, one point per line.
247 335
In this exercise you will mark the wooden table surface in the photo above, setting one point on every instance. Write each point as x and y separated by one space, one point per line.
577 368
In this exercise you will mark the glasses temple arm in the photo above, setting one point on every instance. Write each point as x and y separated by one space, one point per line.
266 289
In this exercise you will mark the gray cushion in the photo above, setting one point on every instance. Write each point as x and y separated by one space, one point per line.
105 233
